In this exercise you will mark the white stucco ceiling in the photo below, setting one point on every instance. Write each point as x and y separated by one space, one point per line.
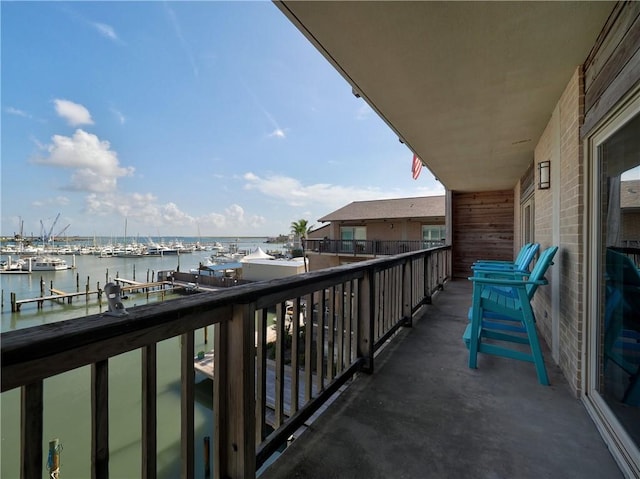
468 86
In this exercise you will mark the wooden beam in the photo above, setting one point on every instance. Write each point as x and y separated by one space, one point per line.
100 420
149 412
31 458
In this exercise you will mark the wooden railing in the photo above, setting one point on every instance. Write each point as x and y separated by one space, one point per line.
368 247
328 325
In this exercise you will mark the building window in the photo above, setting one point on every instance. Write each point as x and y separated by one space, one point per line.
433 235
353 238
528 220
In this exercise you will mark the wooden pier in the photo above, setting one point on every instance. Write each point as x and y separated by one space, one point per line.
161 287
56 296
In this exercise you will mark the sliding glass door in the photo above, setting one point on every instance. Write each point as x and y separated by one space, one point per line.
614 385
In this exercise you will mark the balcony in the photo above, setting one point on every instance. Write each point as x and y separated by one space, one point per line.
424 413
371 248
409 407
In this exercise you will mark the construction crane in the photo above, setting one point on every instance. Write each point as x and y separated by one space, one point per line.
60 233
47 237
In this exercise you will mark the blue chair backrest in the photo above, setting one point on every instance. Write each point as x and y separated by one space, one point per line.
539 270
526 256
522 252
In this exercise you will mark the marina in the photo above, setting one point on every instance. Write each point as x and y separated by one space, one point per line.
65 414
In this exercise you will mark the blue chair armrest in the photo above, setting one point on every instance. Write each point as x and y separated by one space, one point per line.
507 282
497 272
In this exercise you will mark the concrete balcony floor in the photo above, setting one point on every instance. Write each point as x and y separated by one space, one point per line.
425 414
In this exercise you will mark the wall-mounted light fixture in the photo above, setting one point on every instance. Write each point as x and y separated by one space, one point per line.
544 175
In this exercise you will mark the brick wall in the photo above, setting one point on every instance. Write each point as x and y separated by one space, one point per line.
561 144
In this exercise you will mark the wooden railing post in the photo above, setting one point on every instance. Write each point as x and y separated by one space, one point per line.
407 292
149 412
428 273
187 442
100 420
234 395
366 312
31 458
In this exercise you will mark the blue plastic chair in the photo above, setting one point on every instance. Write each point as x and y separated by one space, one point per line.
520 264
512 307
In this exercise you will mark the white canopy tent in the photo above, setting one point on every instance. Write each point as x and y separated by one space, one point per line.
257 254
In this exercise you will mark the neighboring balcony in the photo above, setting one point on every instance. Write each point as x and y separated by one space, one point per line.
370 248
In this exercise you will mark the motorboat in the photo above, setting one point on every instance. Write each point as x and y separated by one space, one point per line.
44 263
11 265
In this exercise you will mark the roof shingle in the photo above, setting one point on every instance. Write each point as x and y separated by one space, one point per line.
397 208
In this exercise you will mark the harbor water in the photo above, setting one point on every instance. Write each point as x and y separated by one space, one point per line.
67 397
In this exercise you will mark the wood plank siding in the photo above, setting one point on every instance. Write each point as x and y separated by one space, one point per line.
613 66
482 228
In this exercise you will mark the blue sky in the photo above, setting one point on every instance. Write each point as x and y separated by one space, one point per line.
184 118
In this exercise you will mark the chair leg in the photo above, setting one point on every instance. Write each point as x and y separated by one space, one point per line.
476 322
534 343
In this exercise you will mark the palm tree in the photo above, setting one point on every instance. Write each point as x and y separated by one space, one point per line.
300 229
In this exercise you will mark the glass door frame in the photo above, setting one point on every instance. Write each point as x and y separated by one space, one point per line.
622 447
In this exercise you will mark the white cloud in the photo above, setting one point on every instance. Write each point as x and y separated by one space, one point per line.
294 193
95 166
119 116
15 111
74 113
323 195
173 215
145 210
277 133
106 31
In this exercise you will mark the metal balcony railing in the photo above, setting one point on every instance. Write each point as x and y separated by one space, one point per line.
328 324
368 247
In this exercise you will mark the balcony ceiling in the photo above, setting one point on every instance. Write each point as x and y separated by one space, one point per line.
468 86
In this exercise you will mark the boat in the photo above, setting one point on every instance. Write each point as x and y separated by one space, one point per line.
161 250
44 263
10 265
